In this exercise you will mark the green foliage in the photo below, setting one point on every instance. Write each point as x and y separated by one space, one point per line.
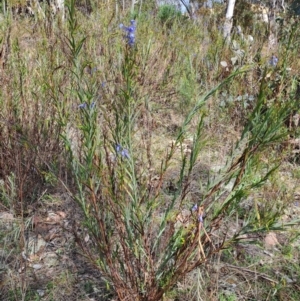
244 13
29 296
228 297
294 8
249 18
168 14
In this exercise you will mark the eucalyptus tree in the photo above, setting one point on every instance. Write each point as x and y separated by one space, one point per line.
228 18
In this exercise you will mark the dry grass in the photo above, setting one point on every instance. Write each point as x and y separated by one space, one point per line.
39 104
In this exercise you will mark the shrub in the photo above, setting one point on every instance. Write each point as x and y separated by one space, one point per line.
142 242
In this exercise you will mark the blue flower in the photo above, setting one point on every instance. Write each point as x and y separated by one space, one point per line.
195 207
130 32
122 151
94 70
118 148
125 153
85 106
200 218
273 61
82 106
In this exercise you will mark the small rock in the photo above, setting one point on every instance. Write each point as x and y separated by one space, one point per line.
6 216
270 240
37 266
223 64
288 280
51 259
40 292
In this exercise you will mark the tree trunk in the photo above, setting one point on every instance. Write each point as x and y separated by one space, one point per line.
133 3
228 19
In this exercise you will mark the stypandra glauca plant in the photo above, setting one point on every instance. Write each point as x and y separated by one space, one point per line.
137 237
